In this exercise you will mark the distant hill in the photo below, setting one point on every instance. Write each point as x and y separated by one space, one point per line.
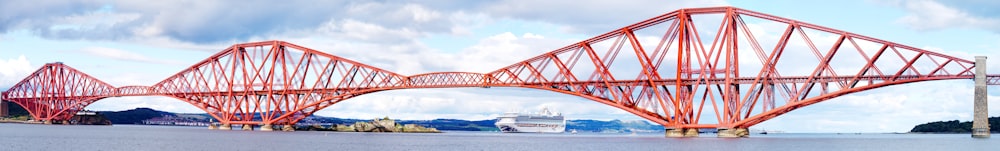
612 126
456 124
134 116
954 126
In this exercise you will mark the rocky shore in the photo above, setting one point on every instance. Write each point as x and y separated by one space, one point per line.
376 125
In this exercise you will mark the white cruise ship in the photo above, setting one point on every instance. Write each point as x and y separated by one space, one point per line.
542 122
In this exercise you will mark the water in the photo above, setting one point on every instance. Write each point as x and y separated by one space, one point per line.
135 137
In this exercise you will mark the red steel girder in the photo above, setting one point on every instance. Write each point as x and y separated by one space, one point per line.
690 68
705 76
57 92
993 79
271 82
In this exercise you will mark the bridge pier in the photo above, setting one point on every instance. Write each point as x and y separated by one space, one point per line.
681 132
225 127
267 127
212 126
247 127
733 132
288 128
47 122
3 108
980 123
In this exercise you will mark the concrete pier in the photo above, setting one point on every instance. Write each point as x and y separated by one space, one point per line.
980 123
674 132
690 132
47 122
733 132
288 128
247 127
267 127
212 126
3 108
681 132
225 127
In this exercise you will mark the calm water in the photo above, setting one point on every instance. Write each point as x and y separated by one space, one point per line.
128 137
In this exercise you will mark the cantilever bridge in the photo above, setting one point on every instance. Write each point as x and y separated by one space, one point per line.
687 69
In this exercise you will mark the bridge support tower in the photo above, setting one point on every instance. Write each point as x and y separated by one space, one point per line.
225 126
682 132
980 123
3 108
733 132
267 127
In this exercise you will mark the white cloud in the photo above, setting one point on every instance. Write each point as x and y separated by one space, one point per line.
117 54
501 50
582 17
14 70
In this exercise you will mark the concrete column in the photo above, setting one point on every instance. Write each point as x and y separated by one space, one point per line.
247 127
3 109
674 132
980 121
733 132
682 132
690 132
225 127
212 126
47 122
288 128
267 127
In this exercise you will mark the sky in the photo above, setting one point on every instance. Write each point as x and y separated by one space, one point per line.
141 43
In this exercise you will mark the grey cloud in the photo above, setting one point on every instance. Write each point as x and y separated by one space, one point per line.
210 21
591 16
33 13
206 22
213 22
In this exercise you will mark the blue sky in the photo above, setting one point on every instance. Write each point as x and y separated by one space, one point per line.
140 43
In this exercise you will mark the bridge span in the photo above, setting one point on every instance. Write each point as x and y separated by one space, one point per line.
687 69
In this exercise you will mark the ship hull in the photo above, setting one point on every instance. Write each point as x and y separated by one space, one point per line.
531 128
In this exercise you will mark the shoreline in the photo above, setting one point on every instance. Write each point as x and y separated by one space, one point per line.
19 121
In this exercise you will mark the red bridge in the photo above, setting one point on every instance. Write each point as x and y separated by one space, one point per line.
674 69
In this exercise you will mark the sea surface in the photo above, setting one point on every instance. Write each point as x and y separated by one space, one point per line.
26 137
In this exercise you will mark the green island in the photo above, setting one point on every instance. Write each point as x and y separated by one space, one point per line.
954 126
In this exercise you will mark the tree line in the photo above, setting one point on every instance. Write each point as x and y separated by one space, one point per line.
954 126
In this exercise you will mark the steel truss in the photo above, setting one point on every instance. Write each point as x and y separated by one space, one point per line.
673 69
